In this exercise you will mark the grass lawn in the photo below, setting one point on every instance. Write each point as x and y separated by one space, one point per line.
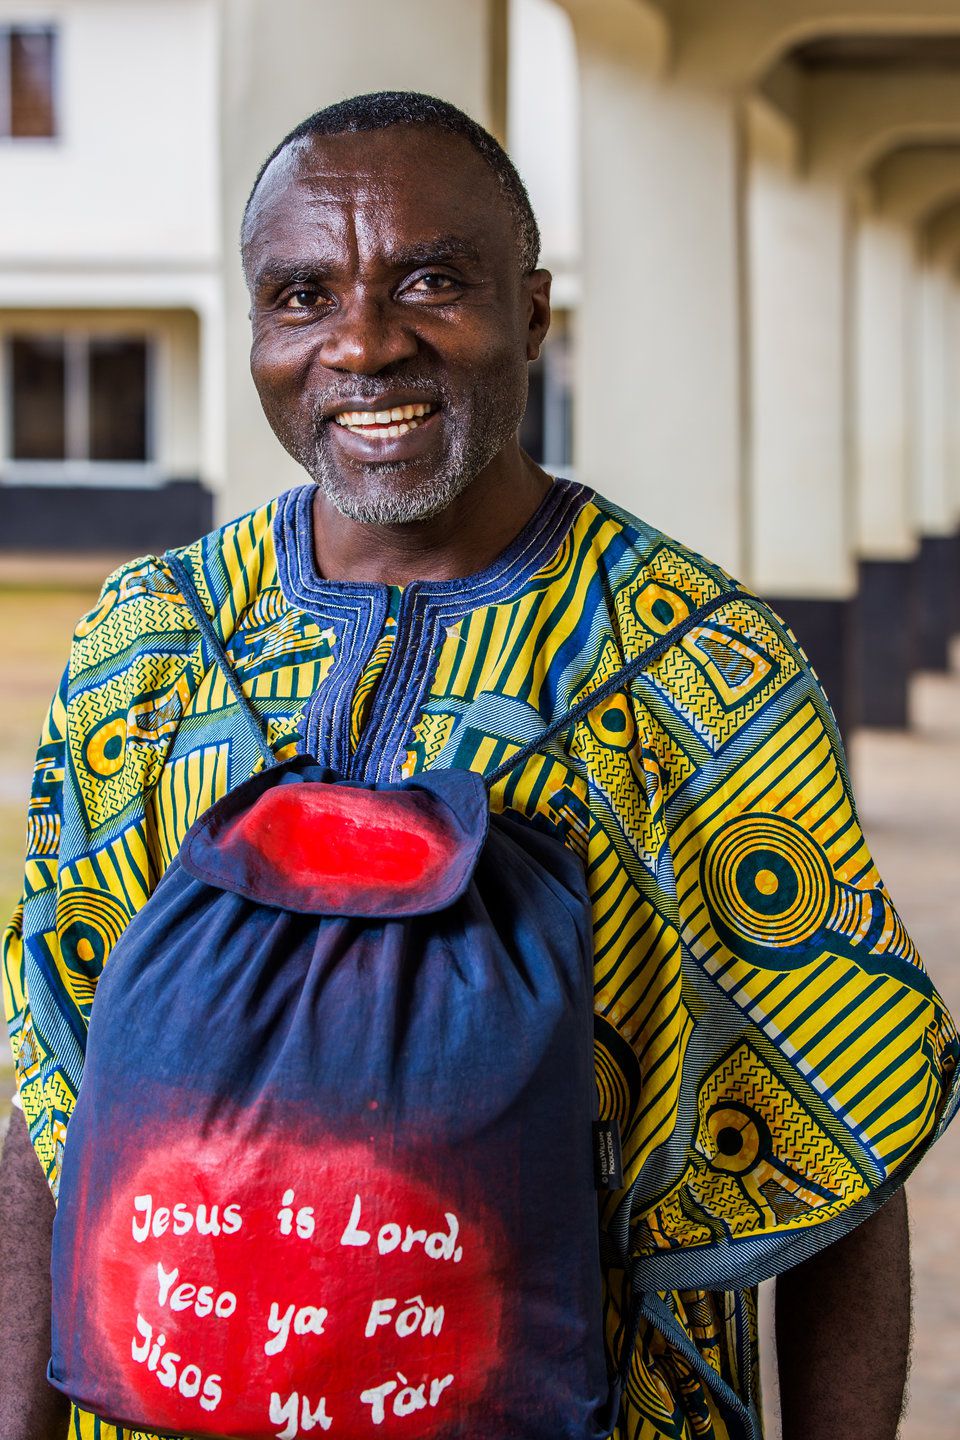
39 606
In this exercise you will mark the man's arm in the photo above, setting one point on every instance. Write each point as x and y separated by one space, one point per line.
30 1409
843 1333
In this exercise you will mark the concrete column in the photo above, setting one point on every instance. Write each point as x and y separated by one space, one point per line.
934 507
658 420
953 438
941 247
800 511
800 535
853 118
884 333
953 401
883 315
937 591
918 185
280 61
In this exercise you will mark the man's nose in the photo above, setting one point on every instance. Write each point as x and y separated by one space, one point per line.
366 334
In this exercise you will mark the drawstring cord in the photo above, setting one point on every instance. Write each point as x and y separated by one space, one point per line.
192 601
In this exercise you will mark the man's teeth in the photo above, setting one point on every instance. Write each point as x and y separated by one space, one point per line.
385 423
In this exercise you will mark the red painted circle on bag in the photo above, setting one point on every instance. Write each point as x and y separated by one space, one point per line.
257 1290
330 834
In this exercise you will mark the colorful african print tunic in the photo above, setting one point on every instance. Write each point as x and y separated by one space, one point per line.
767 1038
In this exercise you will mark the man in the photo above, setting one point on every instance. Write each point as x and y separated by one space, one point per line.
767 1038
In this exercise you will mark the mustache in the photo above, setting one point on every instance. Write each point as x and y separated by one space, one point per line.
371 388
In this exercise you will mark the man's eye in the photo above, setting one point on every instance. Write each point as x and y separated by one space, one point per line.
433 283
303 299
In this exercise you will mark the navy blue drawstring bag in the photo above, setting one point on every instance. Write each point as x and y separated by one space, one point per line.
335 1129
331 1167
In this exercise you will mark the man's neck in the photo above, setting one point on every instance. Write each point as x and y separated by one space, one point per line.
466 537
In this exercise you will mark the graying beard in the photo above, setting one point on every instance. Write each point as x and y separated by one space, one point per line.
397 508
406 506
400 506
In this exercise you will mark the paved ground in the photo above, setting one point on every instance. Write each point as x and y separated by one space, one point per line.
909 794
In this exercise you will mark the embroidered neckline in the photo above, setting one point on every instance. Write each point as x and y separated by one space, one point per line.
303 585
358 610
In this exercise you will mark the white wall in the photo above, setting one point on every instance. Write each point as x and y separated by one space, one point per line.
132 177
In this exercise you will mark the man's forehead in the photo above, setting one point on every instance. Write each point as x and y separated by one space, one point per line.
416 147
418 176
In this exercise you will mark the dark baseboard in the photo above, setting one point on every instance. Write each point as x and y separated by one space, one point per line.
938 600
885 639
124 520
826 630
865 649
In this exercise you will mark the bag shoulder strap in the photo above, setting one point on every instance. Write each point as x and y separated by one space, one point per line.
618 681
192 600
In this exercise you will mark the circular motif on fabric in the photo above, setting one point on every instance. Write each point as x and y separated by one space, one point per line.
89 924
767 881
613 724
106 747
738 1138
660 607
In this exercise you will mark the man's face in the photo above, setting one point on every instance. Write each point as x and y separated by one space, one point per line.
391 324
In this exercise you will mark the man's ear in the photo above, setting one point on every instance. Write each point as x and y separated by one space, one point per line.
537 288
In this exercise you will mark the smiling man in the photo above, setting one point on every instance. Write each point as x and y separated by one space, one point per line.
404 411
768 1045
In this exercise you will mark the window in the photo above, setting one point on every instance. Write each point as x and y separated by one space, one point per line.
117 389
79 400
27 101
38 411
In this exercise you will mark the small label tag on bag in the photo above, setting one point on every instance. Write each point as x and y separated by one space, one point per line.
608 1160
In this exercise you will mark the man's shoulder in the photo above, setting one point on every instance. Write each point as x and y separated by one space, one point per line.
232 549
741 656
140 608
659 577
643 552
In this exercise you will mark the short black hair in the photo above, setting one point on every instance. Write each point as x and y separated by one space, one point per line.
383 108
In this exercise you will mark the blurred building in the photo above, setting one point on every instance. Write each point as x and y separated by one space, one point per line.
752 209
111 286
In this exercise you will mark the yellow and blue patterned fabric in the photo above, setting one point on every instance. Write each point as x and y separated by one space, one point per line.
767 1037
